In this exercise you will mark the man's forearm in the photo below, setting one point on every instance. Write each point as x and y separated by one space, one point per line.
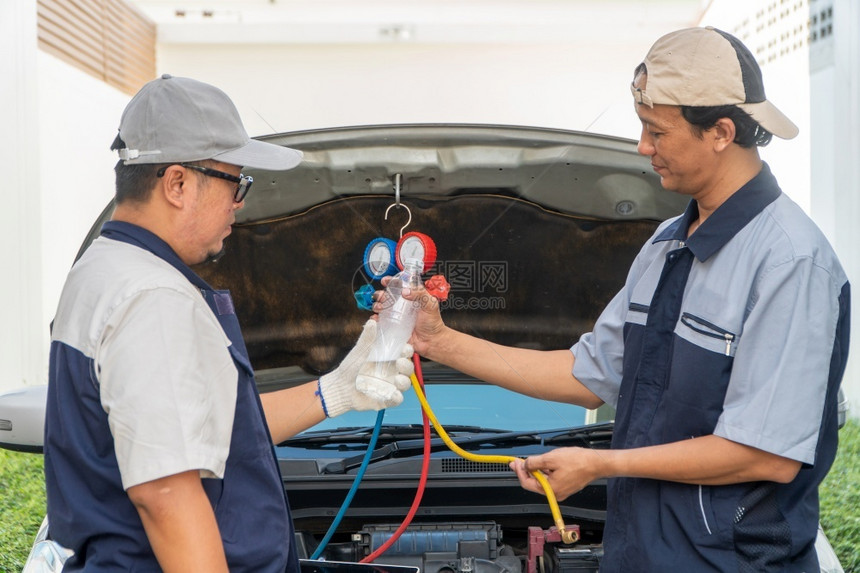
708 460
541 374
180 524
292 410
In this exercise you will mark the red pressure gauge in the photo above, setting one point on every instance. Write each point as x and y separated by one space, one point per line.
415 246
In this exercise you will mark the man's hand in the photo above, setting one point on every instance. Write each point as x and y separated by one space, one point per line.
428 324
567 470
352 386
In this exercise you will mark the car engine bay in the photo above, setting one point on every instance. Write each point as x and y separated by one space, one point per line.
469 547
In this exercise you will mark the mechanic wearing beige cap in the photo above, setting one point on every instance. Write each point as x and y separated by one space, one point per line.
158 449
723 352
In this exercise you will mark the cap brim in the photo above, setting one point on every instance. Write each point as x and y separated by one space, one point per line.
770 118
262 155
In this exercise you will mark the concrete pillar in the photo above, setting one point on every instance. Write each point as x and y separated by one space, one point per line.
23 336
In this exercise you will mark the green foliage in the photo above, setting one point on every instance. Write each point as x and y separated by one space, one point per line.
22 503
22 506
840 498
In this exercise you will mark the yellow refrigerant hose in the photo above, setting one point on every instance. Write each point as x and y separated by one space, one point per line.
567 535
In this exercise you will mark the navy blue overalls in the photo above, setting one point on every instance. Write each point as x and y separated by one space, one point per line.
673 390
90 513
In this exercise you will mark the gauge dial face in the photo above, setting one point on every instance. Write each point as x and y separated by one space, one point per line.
380 258
411 248
416 246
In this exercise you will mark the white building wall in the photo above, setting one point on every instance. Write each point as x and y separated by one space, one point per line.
301 86
78 120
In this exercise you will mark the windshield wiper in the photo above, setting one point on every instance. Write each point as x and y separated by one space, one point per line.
361 434
409 448
596 436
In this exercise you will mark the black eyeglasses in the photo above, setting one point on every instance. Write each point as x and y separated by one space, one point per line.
243 182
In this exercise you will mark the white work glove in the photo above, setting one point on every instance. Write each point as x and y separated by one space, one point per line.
350 386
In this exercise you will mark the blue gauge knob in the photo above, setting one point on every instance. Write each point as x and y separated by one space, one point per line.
364 297
379 258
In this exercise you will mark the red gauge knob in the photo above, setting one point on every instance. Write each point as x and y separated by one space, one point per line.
418 246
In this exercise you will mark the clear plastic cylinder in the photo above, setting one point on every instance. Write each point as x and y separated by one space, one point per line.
396 320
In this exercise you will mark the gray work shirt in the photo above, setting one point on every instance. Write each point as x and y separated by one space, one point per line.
752 350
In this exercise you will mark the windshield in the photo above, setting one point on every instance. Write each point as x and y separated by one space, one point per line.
470 405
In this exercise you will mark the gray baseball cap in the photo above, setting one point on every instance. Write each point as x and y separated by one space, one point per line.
175 120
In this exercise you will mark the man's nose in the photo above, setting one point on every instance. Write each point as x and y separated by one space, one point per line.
645 146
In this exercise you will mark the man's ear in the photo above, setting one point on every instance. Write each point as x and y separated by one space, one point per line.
724 133
172 185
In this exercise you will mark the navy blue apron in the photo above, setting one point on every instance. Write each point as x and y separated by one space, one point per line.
250 504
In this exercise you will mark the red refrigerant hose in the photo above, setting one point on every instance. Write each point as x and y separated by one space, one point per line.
425 469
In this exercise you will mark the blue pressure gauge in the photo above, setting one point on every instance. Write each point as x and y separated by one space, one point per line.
379 258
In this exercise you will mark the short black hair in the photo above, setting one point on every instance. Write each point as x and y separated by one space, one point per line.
134 183
748 133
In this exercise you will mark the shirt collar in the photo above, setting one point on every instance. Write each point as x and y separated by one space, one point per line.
729 218
149 241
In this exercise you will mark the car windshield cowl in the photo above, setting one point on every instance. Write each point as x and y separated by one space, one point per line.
596 436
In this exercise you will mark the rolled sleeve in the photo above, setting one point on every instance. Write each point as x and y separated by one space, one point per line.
775 398
168 385
599 354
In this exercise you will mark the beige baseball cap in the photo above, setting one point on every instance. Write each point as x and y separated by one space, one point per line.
174 120
707 67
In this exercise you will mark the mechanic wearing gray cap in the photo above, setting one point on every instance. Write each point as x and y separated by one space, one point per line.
158 449
723 352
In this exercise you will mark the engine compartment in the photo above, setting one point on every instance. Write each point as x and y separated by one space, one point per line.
465 547
473 517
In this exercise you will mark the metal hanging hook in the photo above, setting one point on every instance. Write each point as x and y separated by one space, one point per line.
398 204
397 177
